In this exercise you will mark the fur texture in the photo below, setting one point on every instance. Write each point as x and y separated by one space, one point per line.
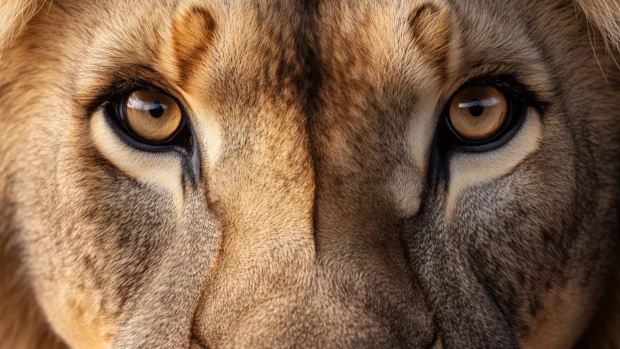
604 15
14 15
314 202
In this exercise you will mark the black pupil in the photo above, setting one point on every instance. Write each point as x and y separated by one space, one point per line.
156 110
476 108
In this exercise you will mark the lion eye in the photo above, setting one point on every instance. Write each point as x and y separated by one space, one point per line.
151 116
479 113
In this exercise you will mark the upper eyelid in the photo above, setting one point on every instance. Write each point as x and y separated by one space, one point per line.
110 110
506 83
117 91
125 79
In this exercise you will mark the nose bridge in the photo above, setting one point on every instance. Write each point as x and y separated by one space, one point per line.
262 191
261 187
361 257
311 254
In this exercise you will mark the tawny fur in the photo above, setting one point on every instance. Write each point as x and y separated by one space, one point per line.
604 15
264 202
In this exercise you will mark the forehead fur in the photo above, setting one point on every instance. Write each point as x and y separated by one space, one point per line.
603 14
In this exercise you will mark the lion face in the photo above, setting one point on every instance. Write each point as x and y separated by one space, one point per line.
193 174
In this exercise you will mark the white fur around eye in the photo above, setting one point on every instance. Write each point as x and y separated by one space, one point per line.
208 131
470 169
162 170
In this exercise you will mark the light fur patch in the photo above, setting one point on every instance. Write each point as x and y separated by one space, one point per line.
420 129
568 314
406 189
406 186
76 318
208 130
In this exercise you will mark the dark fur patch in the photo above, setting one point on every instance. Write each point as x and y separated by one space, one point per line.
193 36
431 32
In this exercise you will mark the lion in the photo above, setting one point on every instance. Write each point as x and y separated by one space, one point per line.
309 174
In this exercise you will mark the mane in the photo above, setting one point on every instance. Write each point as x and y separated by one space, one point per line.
604 15
14 14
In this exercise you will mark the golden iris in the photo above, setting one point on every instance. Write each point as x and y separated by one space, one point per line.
152 116
478 113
